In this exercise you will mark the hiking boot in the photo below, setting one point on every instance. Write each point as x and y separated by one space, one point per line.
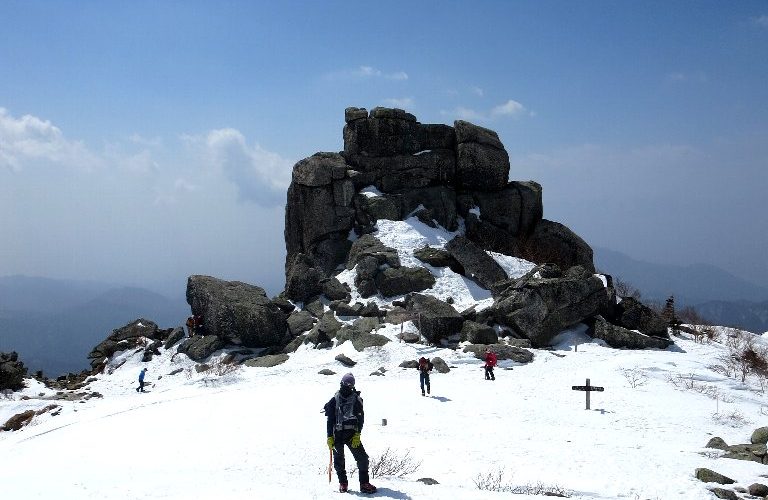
422 393
343 487
367 488
427 390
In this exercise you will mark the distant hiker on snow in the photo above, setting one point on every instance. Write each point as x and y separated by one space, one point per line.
345 422
140 388
190 326
490 362
425 366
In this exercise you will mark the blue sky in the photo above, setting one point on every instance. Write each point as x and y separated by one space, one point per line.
145 141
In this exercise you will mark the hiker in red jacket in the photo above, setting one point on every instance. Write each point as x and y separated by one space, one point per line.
425 366
490 362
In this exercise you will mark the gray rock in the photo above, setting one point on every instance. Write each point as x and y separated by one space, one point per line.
481 167
469 132
294 344
315 307
176 335
363 340
137 328
435 319
619 337
12 371
326 371
749 452
329 324
477 333
365 325
477 264
402 280
634 315
725 494
555 243
369 246
438 258
341 308
335 290
540 309
267 361
516 209
303 279
344 360
352 114
717 443
427 480
283 303
317 169
409 337
710 476
300 322
502 351
237 312
200 347
759 436
758 490
409 364
202 367
371 310
439 200
440 365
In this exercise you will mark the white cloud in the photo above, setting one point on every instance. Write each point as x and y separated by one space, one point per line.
463 113
260 175
28 139
366 72
762 21
180 187
682 77
403 103
509 108
477 91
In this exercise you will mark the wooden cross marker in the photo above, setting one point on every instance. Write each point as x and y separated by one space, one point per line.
587 388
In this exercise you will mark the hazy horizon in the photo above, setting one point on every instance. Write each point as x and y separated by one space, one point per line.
141 143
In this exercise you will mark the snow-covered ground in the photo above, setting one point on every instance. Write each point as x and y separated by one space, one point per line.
259 433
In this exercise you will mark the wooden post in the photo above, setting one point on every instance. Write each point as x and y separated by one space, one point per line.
588 391
587 388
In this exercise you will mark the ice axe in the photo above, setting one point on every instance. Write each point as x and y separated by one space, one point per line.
330 463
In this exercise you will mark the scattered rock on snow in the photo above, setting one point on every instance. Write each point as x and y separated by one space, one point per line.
344 360
710 476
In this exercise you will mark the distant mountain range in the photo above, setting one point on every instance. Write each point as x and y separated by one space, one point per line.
53 324
720 297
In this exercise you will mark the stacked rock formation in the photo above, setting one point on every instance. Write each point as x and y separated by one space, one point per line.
433 171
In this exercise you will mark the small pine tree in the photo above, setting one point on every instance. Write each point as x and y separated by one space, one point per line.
670 316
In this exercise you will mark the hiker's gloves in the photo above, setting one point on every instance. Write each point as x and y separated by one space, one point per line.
355 440
330 442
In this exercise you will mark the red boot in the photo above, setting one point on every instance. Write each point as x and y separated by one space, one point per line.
343 487
367 488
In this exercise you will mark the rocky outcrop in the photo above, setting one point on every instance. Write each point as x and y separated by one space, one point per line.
477 264
12 371
539 309
432 171
634 315
620 337
399 281
237 312
129 336
200 347
435 319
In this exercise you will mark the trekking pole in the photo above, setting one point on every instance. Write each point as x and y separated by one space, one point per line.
330 463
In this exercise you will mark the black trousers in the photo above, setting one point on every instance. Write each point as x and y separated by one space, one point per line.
489 373
340 439
424 379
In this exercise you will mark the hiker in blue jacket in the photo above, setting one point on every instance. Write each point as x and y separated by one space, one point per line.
345 422
140 388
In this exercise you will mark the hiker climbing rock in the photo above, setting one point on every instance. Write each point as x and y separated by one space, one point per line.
425 366
190 326
345 422
140 388
490 362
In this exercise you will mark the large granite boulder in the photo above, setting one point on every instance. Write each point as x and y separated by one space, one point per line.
620 337
477 264
541 308
634 315
482 163
555 243
477 333
199 347
303 279
502 351
370 246
300 322
516 209
435 319
399 281
237 312
12 371
125 337
438 257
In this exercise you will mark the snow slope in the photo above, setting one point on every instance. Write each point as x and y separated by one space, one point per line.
259 432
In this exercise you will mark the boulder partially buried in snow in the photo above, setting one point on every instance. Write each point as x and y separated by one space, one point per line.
502 351
620 337
237 312
436 319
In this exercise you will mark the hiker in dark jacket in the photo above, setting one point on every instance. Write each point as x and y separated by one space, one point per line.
490 362
425 366
140 388
345 422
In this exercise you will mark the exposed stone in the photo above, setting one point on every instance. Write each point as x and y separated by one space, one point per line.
398 281
620 337
315 307
477 333
749 452
428 481
369 246
469 132
344 360
335 290
759 436
477 264
435 319
541 308
409 337
237 312
725 494
717 443
200 347
18 421
710 476
12 371
176 335
341 308
634 315
502 351
300 322
303 279
329 324
267 361
554 242
440 365
481 167
438 257
516 209
758 490
363 340
317 169
326 371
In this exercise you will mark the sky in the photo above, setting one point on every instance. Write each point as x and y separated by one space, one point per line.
146 141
